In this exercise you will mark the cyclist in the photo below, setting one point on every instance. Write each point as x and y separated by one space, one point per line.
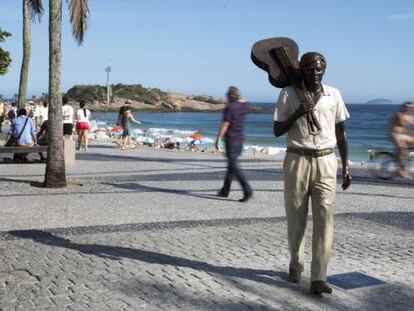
402 135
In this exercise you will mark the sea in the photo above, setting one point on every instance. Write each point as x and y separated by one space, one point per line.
367 128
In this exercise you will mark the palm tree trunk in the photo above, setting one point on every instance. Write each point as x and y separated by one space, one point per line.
55 176
24 71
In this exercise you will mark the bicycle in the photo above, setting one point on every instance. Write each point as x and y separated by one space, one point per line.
384 164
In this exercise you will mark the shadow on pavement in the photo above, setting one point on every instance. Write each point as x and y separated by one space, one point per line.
251 175
32 183
114 157
150 257
400 220
394 296
142 188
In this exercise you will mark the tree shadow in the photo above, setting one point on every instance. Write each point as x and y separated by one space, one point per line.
394 296
251 175
138 187
150 257
115 157
36 184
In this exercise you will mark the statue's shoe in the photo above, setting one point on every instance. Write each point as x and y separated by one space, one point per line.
320 287
294 275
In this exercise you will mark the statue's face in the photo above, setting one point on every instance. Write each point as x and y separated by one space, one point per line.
313 72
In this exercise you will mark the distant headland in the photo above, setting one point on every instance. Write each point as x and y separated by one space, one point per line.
380 101
146 99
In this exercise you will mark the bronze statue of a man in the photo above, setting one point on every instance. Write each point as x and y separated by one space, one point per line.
310 166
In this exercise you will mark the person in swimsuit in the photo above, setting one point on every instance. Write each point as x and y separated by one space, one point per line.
125 123
402 135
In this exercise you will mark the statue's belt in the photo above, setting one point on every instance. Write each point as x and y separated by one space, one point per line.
314 153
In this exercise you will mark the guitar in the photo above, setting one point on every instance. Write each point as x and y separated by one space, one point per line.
264 56
279 58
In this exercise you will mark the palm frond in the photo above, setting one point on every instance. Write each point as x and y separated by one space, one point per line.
36 9
79 13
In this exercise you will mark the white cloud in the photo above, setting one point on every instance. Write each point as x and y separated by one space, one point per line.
402 17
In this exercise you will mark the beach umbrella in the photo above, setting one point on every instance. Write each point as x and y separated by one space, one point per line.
195 142
137 132
196 136
116 129
145 139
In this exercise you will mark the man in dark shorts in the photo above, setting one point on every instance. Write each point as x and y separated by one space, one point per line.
232 128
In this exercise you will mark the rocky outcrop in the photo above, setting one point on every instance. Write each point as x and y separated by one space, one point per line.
145 99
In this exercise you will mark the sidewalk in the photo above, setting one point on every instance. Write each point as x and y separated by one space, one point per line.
143 230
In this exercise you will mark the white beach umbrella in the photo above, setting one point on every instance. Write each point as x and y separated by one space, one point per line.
137 132
145 139
195 141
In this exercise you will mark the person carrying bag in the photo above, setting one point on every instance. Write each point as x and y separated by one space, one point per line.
26 136
12 138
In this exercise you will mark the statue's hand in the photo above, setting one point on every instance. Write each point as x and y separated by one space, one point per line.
346 178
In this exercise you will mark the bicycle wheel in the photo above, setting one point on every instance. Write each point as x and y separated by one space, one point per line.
384 165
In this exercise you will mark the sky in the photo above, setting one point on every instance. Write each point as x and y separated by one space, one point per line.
202 47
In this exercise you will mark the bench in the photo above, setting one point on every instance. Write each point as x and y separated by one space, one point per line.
68 149
15 149
34 149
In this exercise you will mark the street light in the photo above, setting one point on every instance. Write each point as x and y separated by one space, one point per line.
107 70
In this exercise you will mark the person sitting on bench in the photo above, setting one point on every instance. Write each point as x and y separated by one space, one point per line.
24 130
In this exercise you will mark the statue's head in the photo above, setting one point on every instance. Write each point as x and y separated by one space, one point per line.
312 65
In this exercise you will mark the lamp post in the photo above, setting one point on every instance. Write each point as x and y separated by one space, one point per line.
107 70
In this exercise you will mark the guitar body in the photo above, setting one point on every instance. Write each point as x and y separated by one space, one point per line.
263 57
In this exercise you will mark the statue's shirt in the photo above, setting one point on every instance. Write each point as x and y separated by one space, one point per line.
329 110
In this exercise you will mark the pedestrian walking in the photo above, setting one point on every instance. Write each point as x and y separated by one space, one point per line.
310 166
125 123
67 117
83 116
232 129
2 113
122 109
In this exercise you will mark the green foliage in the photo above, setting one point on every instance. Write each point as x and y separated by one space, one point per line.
135 92
87 93
5 58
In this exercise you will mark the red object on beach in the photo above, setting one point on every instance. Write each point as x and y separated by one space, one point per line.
196 136
116 129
